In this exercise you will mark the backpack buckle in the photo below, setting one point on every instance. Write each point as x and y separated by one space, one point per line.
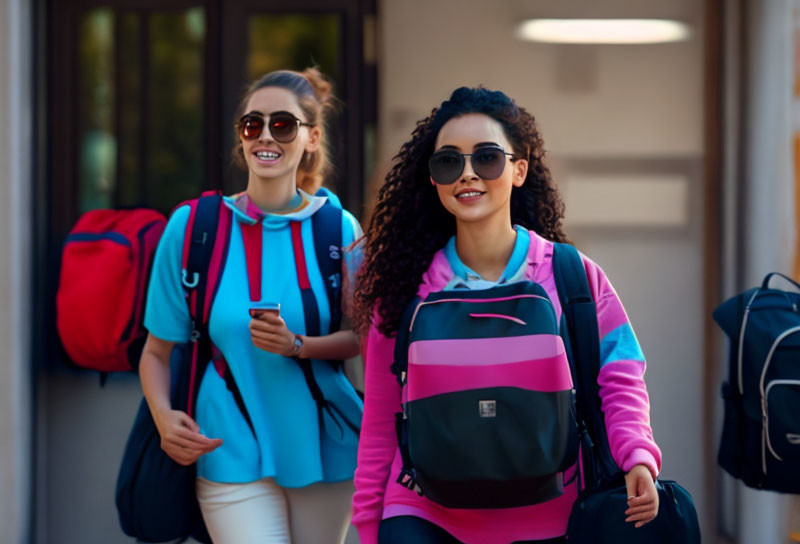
400 375
190 284
408 479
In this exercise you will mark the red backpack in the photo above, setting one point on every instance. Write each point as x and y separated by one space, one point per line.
103 285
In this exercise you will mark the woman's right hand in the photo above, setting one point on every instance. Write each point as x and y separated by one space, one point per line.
181 438
180 435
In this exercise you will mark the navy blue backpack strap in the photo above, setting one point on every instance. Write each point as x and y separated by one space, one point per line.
326 226
400 364
582 340
198 274
407 476
202 238
198 249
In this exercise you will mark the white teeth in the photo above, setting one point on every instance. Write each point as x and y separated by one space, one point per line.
267 155
469 194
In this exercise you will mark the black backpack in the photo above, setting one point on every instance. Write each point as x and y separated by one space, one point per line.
761 432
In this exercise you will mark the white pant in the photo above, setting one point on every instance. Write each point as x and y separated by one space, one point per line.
263 512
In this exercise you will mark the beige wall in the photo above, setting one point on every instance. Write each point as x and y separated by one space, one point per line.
631 100
15 293
610 105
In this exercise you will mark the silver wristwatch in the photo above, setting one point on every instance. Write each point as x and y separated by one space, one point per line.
298 346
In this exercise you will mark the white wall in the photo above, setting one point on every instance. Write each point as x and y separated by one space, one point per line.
15 290
604 104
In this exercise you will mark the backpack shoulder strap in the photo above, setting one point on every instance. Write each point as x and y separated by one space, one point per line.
400 364
582 340
407 476
204 229
326 226
204 250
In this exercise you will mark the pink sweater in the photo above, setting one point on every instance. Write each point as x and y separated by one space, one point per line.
624 402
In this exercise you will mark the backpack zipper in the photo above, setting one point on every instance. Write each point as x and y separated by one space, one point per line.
475 300
97 236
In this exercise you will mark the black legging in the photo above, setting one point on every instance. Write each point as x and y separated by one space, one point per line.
414 530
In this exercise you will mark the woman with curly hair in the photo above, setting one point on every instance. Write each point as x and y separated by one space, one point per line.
470 204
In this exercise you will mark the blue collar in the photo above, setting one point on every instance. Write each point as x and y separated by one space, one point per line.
517 260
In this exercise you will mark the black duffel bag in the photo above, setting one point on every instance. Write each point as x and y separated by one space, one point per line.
155 496
598 515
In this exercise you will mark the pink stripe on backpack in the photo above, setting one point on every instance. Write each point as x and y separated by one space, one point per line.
485 351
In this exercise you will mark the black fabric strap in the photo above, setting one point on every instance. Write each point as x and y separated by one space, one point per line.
326 227
582 340
310 311
201 246
329 262
399 368
319 398
196 278
400 364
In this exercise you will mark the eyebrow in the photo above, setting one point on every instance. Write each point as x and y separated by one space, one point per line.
481 144
262 114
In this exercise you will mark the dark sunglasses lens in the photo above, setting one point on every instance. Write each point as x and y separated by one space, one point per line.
489 163
251 127
446 166
283 128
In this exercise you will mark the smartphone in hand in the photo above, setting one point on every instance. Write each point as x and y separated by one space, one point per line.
257 309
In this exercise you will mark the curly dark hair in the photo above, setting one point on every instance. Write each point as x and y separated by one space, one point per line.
409 224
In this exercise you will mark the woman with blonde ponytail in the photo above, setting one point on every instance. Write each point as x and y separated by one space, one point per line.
271 472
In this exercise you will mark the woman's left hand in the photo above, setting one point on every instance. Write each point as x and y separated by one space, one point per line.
270 333
642 496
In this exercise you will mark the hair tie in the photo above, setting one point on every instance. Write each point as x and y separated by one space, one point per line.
309 88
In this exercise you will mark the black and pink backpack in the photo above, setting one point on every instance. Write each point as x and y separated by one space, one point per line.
488 416
499 400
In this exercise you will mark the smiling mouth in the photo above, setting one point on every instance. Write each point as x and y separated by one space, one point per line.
267 155
469 194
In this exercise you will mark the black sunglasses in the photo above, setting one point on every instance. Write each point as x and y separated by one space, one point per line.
283 126
488 162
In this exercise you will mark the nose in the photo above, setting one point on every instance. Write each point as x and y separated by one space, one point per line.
265 135
468 174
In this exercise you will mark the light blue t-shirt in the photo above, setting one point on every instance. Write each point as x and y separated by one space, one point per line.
288 445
